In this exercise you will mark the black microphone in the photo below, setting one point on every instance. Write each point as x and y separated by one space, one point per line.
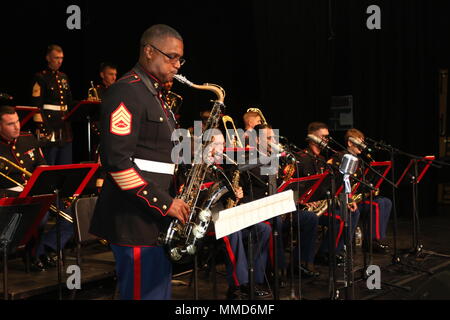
359 144
322 143
319 141
380 145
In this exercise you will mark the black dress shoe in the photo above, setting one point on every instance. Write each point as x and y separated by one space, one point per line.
50 260
307 273
259 293
233 293
377 247
37 265
323 260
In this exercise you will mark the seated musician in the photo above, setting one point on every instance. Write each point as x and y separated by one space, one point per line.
312 162
264 185
381 206
235 244
22 150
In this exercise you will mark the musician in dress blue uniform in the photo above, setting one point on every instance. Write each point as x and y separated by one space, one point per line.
22 149
311 162
381 206
52 95
137 201
237 264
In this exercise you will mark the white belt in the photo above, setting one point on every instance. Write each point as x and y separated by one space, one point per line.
155 166
53 107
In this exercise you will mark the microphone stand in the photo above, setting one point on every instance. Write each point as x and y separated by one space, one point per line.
371 187
251 275
333 292
417 246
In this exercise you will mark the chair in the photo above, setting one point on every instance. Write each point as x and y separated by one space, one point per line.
84 209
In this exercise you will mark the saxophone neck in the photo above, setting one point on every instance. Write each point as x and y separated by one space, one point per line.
219 91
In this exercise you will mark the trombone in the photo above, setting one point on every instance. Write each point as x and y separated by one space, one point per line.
236 140
28 174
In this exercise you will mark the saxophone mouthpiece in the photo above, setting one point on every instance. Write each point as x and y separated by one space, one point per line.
183 80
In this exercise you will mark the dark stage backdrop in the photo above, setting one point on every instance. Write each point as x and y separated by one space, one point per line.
286 57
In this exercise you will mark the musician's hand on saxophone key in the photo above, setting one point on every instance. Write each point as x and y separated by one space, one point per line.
179 210
239 193
352 206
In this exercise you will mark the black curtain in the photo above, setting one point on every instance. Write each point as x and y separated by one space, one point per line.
312 50
286 57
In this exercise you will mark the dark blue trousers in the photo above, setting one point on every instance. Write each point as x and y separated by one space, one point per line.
55 155
308 234
237 263
338 230
49 239
144 273
381 211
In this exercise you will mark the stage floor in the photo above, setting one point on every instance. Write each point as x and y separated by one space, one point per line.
418 277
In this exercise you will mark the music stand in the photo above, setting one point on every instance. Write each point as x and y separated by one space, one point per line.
85 110
306 189
63 181
416 175
19 220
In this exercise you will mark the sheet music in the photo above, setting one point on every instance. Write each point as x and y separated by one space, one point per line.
248 214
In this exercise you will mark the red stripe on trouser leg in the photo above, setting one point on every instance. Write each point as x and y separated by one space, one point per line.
137 273
271 255
232 259
377 218
341 227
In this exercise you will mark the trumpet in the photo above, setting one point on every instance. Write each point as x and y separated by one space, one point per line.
92 93
258 111
235 139
28 174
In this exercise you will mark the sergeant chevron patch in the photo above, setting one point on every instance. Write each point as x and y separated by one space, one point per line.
121 121
128 179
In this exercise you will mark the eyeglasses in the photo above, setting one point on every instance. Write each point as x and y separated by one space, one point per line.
171 58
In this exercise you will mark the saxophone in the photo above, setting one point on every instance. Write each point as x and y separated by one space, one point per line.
235 184
181 240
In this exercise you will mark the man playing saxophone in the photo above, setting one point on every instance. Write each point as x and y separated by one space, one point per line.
354 141
312 162
137 202
22 149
